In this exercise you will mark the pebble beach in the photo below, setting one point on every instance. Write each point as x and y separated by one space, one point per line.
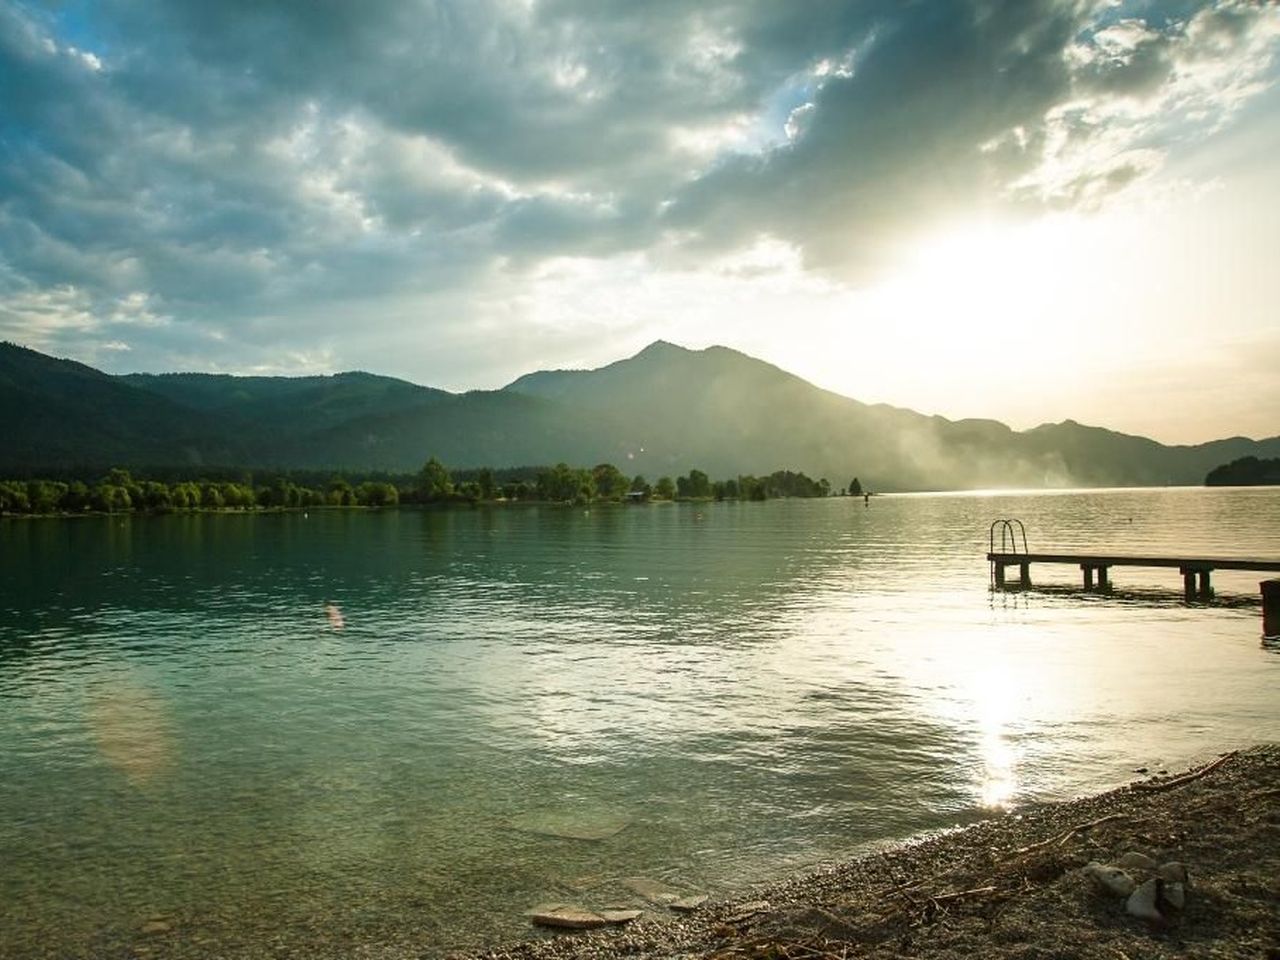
1016 886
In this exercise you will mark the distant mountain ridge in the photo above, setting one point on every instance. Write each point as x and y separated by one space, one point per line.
663 411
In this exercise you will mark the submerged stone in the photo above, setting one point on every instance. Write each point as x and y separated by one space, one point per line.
688 904
655 891
620 916
567 918
571 824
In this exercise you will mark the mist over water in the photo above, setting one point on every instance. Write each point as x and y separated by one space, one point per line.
525 704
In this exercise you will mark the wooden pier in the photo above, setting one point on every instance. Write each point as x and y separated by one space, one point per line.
1195 570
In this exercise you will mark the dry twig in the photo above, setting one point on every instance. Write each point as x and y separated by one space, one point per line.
1186 777
1066 835
941 897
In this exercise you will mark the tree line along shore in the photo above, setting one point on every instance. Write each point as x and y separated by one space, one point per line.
166 490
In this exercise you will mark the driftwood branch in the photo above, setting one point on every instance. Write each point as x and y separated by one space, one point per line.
1186 777
1066 835
941 897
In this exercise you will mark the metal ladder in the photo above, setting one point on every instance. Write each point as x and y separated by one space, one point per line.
1010 530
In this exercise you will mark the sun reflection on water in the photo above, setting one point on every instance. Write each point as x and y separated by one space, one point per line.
994 695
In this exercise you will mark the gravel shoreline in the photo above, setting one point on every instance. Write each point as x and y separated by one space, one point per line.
1009 887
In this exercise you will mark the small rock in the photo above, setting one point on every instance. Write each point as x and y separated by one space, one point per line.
1142 902
1136 861
1173 872
568 918
1140 770
1109 878
1174 895
746 910
620 916
688 904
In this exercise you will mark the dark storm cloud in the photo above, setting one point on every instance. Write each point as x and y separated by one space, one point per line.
243 164
898 138
960 109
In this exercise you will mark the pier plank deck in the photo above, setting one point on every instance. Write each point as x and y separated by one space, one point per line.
1195 570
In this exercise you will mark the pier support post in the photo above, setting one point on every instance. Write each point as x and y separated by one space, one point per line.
1270 608
1026 575
1103 585
1206 591
1189 585
1088 576
999 576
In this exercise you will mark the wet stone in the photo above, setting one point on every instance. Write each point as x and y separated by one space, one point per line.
567 918
655 891
620 916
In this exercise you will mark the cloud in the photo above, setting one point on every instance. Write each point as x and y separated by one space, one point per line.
956 110
258 173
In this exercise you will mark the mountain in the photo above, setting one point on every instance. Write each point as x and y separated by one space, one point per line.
63 414
724 410
664 411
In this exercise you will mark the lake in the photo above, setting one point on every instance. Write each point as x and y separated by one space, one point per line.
529 703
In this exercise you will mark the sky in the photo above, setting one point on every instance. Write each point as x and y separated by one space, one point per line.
1026 210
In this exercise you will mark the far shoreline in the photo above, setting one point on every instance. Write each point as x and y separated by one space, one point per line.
501 503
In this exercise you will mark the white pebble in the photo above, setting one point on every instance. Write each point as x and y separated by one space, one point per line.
1142 902
1111 879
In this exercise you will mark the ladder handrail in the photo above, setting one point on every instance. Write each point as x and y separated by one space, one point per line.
1008 535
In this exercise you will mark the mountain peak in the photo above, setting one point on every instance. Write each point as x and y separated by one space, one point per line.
663 348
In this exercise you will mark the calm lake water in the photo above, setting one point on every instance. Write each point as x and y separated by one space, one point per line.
530 704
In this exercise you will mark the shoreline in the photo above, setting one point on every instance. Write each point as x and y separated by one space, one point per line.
1007 887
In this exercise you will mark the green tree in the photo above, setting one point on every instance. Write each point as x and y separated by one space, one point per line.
236 495
110 498
185 496
664 489
562 484
378 494
610 483
118 477
155 496
282 493
339 493
855 488
699 485
13 498
488 486
518 490
211 496
77 497
45 495
434 482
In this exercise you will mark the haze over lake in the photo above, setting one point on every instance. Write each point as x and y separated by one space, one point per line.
531 703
